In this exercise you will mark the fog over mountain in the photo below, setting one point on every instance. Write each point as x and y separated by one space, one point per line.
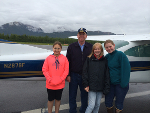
25 29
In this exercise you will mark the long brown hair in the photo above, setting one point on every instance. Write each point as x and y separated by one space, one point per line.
108 41
94 46
57 42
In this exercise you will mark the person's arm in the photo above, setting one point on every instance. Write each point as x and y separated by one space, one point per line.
125 70
68 55
107 80
66 70
45 70
85 74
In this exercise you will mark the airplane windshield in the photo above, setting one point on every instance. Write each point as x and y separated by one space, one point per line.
139 51
118 43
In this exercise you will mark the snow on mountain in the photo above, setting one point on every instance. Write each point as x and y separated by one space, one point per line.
19 24
15 23
1 27
34 29
60 29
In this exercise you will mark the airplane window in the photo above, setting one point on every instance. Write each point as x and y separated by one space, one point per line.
118 43
139 51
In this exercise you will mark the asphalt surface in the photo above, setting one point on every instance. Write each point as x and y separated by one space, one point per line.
18 96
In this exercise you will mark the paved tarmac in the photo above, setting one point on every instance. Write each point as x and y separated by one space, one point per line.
137 100
19 96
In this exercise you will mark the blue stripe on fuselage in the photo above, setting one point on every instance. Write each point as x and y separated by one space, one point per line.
6 41
25 66
33 68
140 65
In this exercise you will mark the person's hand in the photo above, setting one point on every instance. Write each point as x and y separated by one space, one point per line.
68 78
87 89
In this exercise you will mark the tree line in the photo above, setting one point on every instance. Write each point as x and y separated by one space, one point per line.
39 39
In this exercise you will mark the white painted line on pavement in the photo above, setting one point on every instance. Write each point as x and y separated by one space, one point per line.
66 106
33 111
137 94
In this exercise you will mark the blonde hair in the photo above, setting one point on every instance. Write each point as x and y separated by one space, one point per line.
108 41
94 46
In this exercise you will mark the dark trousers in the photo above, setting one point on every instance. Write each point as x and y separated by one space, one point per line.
76 80
118 92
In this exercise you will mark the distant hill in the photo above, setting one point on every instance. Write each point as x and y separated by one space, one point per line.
21 29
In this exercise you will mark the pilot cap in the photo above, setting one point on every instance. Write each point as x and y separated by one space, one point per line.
82 30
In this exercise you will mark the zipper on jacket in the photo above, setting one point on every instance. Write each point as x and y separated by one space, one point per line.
82 58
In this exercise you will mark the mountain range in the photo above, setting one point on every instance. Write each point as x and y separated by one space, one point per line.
21 29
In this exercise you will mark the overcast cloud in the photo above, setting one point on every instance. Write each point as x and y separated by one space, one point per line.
117 16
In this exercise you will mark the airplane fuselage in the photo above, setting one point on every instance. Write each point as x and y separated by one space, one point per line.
28 66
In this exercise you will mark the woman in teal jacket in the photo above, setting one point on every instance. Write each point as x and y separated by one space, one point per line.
119 68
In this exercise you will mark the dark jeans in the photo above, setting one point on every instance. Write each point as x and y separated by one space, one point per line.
118 92
76 80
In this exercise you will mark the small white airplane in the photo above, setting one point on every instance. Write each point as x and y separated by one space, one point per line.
24 62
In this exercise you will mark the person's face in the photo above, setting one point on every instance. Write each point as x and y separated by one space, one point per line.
57 50
81 36
109 47
97 51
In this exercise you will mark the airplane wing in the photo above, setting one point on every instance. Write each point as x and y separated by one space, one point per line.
21 62
117 37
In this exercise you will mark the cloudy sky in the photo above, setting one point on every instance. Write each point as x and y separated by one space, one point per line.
117 16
